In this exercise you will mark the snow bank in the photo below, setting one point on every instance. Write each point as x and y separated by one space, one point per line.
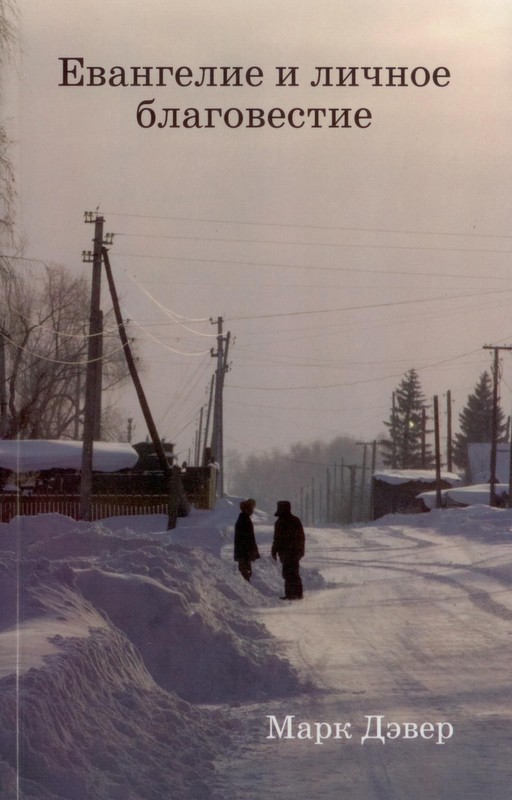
476 521
114 633
477 494
93 723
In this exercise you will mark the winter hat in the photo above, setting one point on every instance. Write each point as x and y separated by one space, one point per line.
248 505
283 507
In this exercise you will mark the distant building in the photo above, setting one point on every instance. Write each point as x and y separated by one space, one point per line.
395 491
479 456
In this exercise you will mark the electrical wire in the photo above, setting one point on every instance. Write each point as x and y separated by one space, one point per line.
177 237
50 360
83 336
352 383
168 312
309 226
364 307
167 346
271 265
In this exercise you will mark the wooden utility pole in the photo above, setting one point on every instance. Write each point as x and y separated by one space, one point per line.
342 491
199 459
196 447
208 415
362 504
3 387
394 433
352 468
494 436
449 462
509 502
437 441
218 414
423 437
363 480
130 361
91 379
328 503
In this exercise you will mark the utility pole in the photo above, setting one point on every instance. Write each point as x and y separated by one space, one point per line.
509 502
218 415
3 387
393 438
352 468
130 430
423 437
90 427
195 449
342 491
437 441
449 462
372 473
130 361
494 437
373 445
328 503
208 415
199 439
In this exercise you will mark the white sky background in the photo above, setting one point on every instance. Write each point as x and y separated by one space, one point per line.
427 187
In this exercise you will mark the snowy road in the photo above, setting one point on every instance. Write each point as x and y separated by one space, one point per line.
416 626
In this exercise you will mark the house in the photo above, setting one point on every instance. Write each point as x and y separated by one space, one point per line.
396 490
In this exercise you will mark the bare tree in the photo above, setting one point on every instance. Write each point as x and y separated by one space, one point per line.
45 329
7 186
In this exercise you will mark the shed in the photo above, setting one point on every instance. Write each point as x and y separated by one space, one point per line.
396 490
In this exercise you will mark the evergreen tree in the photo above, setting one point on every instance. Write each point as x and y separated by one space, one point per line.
405 448
475 421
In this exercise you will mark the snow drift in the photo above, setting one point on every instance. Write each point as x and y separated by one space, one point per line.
108 637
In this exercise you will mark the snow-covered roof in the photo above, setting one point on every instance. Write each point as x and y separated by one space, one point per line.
477 494
31 455
398 476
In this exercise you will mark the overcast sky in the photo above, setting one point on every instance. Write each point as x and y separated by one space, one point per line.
393 240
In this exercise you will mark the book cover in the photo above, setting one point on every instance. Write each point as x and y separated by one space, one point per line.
303 210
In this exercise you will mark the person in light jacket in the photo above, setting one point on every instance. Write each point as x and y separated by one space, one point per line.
288 544
246 549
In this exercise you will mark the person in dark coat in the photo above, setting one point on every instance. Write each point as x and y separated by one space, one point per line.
288 544
246 549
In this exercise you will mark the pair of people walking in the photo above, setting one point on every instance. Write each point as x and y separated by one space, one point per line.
288 544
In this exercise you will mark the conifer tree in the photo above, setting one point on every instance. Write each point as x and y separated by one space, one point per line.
406 447
475 420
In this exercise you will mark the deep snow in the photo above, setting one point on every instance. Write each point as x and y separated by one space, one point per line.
135 663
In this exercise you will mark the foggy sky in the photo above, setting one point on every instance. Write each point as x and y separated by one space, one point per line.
417 206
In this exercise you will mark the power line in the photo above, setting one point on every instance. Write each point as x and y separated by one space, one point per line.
178 237
40 357
368 306
270 265
167 346
175 316
83 336
311 227
352 383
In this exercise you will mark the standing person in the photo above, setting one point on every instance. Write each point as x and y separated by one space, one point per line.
246 549
288 544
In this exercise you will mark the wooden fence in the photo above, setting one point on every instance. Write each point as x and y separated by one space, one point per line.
102 506
199 489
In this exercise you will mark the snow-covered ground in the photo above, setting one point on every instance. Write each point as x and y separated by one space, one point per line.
137 664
